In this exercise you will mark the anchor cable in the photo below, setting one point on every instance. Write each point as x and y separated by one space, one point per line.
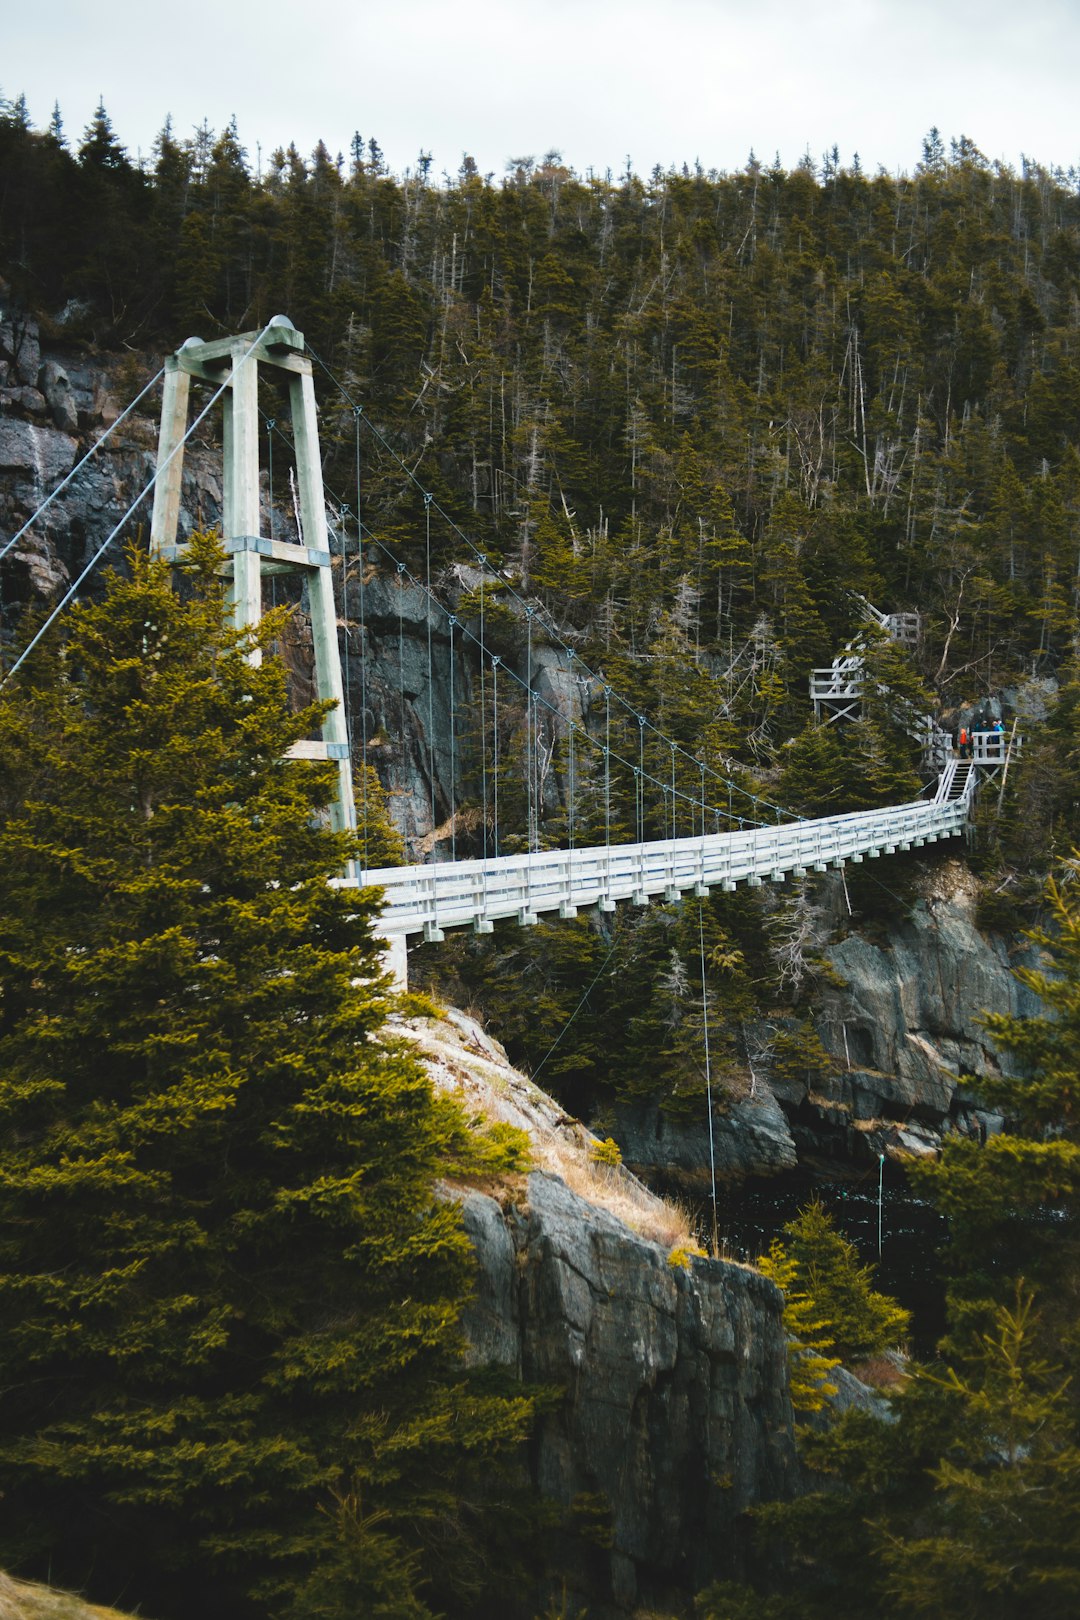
81 463
135 504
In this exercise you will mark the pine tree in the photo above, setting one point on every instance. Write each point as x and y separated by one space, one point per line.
229 1294
848 1312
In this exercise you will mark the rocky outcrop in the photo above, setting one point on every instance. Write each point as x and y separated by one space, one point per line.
751 1136
901 1030
898 1016
903 1024
53 405
670 1370
26 1600
673 1415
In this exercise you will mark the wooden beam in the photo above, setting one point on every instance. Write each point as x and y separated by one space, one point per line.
174 412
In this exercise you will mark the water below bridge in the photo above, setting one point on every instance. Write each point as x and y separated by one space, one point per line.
913 1233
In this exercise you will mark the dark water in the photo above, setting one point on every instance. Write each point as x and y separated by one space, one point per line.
912 1234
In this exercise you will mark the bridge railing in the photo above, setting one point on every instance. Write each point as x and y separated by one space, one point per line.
456 894
994 747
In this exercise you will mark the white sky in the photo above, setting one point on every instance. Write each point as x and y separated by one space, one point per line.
597 79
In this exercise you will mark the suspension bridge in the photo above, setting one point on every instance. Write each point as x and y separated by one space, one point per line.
715 847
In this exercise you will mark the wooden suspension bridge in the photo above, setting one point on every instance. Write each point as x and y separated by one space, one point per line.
425 900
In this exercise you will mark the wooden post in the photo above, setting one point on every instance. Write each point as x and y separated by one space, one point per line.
241 487
321 584
174 412
250 553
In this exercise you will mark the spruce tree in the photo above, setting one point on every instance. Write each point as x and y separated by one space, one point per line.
229 1351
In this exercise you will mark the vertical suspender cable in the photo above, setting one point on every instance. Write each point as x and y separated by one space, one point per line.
528 729
430 671
495 662
453 748
607 765
343 521
483 714
641 780
537 773
570 786
708 1081
363 642
401 682
271 423
674 801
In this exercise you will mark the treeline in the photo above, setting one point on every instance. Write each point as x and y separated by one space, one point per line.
687 402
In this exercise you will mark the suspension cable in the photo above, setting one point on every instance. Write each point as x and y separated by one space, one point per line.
495 662
466 539
576 1010
81 463
640 807
363 638
529 719
135 504
570 785
346 682
271 424
401 674
612 756
404 573
453 748
607 765
483 722
708 1080
430 670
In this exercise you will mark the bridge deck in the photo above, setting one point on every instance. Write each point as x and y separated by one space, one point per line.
459 894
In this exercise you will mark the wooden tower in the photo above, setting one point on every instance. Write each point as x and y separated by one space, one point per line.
235 361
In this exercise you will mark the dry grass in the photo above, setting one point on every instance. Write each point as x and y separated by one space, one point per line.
462 1059
887 1371
658 1220
25 1600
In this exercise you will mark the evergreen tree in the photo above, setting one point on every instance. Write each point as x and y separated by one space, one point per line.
229 1298
823 1268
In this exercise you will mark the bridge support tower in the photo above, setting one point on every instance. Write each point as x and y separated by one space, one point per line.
251 555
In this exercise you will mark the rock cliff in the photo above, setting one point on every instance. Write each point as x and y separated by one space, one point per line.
898 1018
672 1415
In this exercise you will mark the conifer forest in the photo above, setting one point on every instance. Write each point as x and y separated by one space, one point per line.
698 420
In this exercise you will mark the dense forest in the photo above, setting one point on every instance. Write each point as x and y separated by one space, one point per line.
682 409
696 417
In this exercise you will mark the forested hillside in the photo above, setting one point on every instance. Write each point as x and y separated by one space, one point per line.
696 418
686 407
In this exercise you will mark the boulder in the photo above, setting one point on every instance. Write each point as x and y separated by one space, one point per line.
20 343
55 385
43 453
750 1137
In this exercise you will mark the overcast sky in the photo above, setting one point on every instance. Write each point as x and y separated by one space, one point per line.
599 80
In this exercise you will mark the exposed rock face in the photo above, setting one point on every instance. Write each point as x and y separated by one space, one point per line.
751 1137
904 1030
407 699
39 453
901 1027
52 407
674 1416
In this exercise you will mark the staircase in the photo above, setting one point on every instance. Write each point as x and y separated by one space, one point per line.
957 782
